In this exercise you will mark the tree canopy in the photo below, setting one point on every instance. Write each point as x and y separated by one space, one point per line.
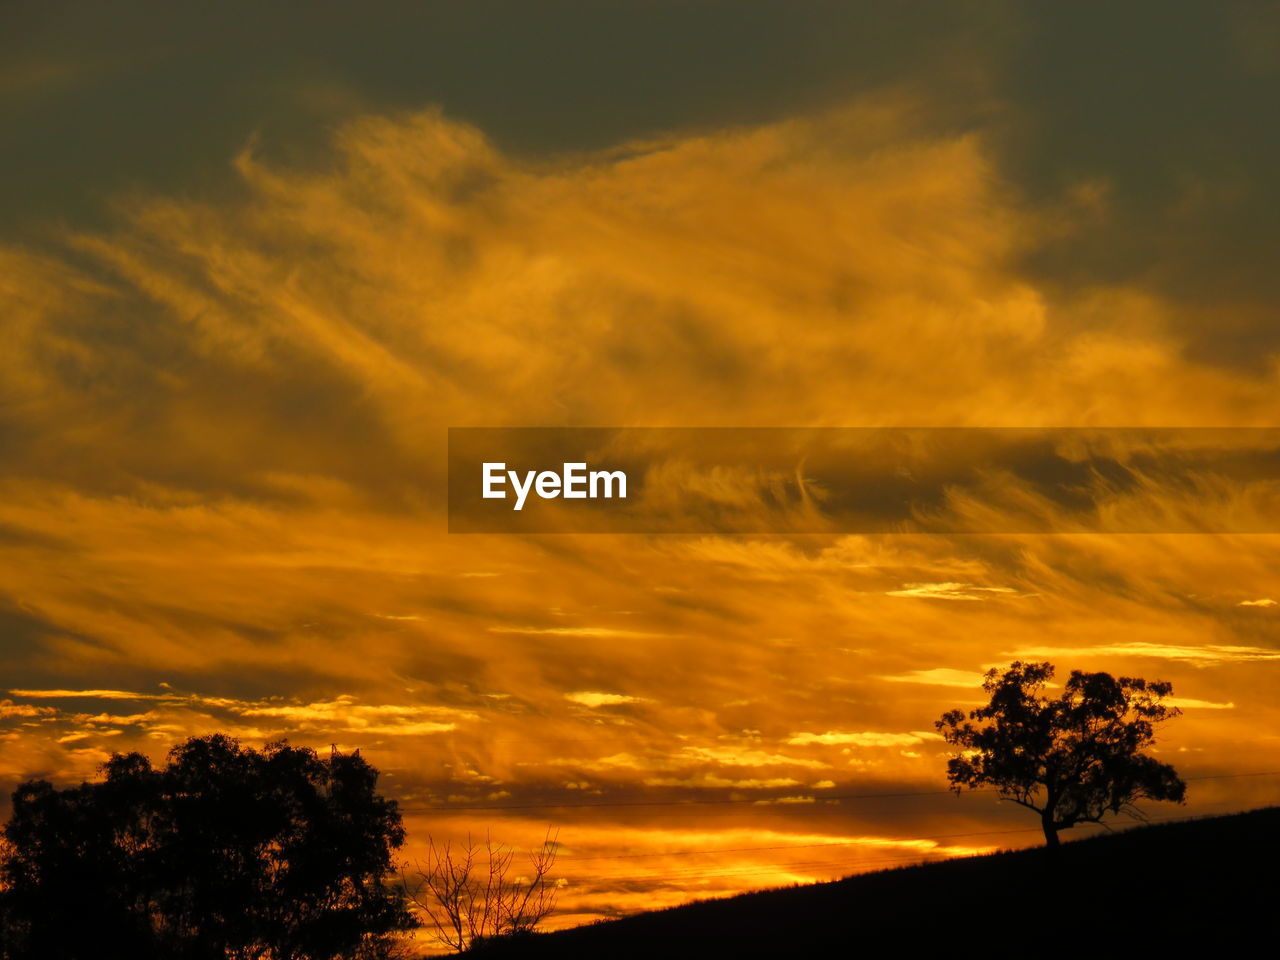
275 854
1071 759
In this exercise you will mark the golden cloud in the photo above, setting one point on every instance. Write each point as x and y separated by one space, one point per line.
224 443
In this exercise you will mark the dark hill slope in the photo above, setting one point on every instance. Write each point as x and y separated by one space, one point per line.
1146 890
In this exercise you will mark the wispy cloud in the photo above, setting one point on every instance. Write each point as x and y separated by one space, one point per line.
227 422
953 591
1190 703
576 632
863 739
593 698
745 757
1210 654
96 694
940 677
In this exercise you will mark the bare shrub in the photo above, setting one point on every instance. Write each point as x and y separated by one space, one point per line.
470 892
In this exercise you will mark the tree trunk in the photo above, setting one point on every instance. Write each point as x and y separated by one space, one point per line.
1050 830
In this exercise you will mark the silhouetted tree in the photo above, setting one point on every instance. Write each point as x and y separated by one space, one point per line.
470 897
226 852
1071 759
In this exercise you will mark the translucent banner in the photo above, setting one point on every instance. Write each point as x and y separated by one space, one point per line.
863 480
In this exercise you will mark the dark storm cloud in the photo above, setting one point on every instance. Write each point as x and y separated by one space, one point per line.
1154 118
104 96
1143 124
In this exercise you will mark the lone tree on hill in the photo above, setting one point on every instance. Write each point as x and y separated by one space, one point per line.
225 852
1072 759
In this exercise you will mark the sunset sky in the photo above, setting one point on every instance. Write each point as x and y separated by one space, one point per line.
257 258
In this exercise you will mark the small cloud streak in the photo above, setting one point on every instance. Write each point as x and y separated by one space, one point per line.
95 694
734 757
953 591
1189 703
575 632
1208 655
865 739
940 677
592 698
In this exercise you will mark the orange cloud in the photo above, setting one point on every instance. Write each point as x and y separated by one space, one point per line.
225 427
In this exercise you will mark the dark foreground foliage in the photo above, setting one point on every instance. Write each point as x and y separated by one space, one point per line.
225 852
1149 888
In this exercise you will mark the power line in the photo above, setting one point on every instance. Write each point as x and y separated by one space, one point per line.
879 841
800 846
692 802
698 874
1234 776
702 875
685 877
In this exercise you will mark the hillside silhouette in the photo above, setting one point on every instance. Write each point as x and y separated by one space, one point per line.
1151 885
